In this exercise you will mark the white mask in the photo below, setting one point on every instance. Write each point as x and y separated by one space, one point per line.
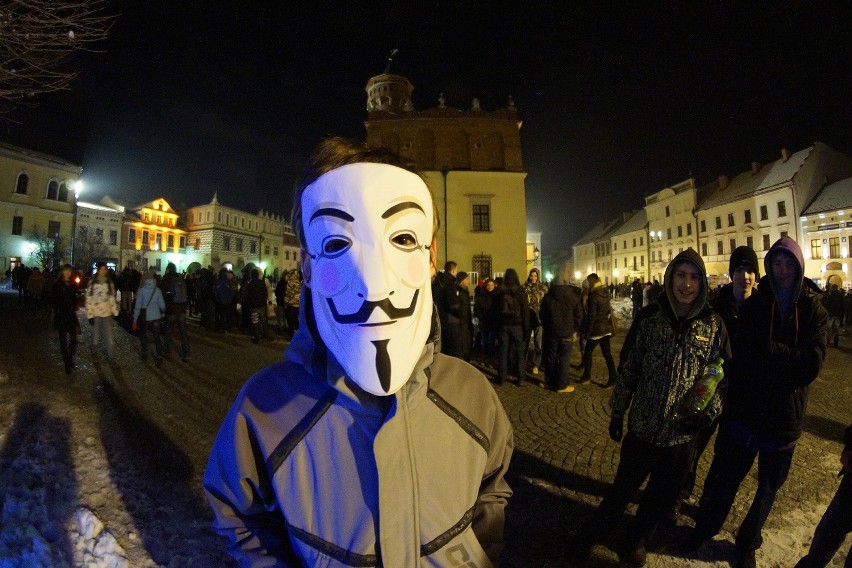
367 229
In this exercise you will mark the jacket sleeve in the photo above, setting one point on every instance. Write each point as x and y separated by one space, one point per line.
723 350
490 509
239 492
629 368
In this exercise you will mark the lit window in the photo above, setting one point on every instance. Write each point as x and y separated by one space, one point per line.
481 217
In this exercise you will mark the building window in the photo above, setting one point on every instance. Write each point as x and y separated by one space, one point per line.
159 219
668 213
730 219
747 213
679 231
182 241
783 233
197 244
159 264
764 213
131 236
239 245
670 255
63 192
287 255
275 251
481 264
171 242
834 247
252 247
53 229
703 226
765 242
22 184
669 233
481 218
113 237
634 241
816 249
703 249
219 217
689 229
642 259
53 189
99 235
641 241
614 246
733 245
158 241
17 225
750 242
782 208
719 248
624 245
226 243
266 250
718 222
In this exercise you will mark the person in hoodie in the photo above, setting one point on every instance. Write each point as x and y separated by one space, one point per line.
656 373
365 446
778 352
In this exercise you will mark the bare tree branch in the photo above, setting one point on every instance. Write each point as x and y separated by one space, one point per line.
37 40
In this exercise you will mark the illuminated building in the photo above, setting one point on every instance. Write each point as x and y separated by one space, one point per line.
153 237
826 228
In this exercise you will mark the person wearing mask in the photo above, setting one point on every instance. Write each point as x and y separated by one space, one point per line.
365 446
778 352
656 376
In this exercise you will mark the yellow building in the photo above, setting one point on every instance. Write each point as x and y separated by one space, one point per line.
36 199
826 228
630 249
152 237
671 224
471 161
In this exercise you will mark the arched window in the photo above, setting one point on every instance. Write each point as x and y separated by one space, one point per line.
52 189
23 183
63 192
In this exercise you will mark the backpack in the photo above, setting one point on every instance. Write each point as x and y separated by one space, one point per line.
509 306
177 289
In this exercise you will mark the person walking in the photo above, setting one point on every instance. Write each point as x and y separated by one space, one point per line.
598 330
778 352
561 316
149 298
176 294
63 296
535 290
101 307
656 376
514 325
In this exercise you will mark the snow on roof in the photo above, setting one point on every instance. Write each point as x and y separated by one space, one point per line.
596 232
96 206
638 221
837 195
748 183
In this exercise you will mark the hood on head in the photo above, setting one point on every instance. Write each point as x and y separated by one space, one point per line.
785 245
691 256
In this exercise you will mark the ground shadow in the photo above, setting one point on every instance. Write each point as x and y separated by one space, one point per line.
825 428
154 479
38 489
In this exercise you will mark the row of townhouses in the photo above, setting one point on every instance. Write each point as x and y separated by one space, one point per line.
45 223
806 195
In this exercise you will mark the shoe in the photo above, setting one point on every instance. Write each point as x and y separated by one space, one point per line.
608 385
747 559
535 369
583 380
690 545
567 389
634 556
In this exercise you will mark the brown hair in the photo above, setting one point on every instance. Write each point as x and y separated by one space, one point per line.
336 152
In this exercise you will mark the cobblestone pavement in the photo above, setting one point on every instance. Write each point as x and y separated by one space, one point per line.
138 438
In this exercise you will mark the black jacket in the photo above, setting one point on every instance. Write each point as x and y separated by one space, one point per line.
725 305
775 361
64 298
598 322
561 311
520 296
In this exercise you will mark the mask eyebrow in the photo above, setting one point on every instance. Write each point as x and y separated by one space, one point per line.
401 207
332 212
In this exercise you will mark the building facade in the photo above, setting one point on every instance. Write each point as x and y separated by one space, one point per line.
152 237
826 229
630 249
37 198
671 224
471 161
97 235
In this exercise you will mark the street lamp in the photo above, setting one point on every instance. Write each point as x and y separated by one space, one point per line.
77 186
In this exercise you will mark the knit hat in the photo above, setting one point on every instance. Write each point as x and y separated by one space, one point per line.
744 256
460 277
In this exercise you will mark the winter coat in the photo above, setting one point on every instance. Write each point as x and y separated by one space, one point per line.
662 358
725 305
150 298
460 307
561 311
255 294
166 288
507 320
293 292
64 299
775 361
100 298
484 309
310 470
598 320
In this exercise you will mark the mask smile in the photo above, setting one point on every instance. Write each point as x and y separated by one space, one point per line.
366 310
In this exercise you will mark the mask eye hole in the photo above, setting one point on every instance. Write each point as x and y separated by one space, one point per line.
334 246
404 240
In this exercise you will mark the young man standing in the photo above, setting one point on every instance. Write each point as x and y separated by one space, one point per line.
365 447
655 376
778 352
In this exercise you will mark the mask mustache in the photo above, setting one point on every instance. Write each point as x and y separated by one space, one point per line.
366 310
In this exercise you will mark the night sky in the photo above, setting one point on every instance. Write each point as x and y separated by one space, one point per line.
617 101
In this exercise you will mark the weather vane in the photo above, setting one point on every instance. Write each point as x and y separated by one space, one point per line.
391 55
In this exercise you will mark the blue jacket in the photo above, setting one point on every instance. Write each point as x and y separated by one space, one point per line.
156 305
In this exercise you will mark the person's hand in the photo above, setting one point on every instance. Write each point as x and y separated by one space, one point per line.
616 427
